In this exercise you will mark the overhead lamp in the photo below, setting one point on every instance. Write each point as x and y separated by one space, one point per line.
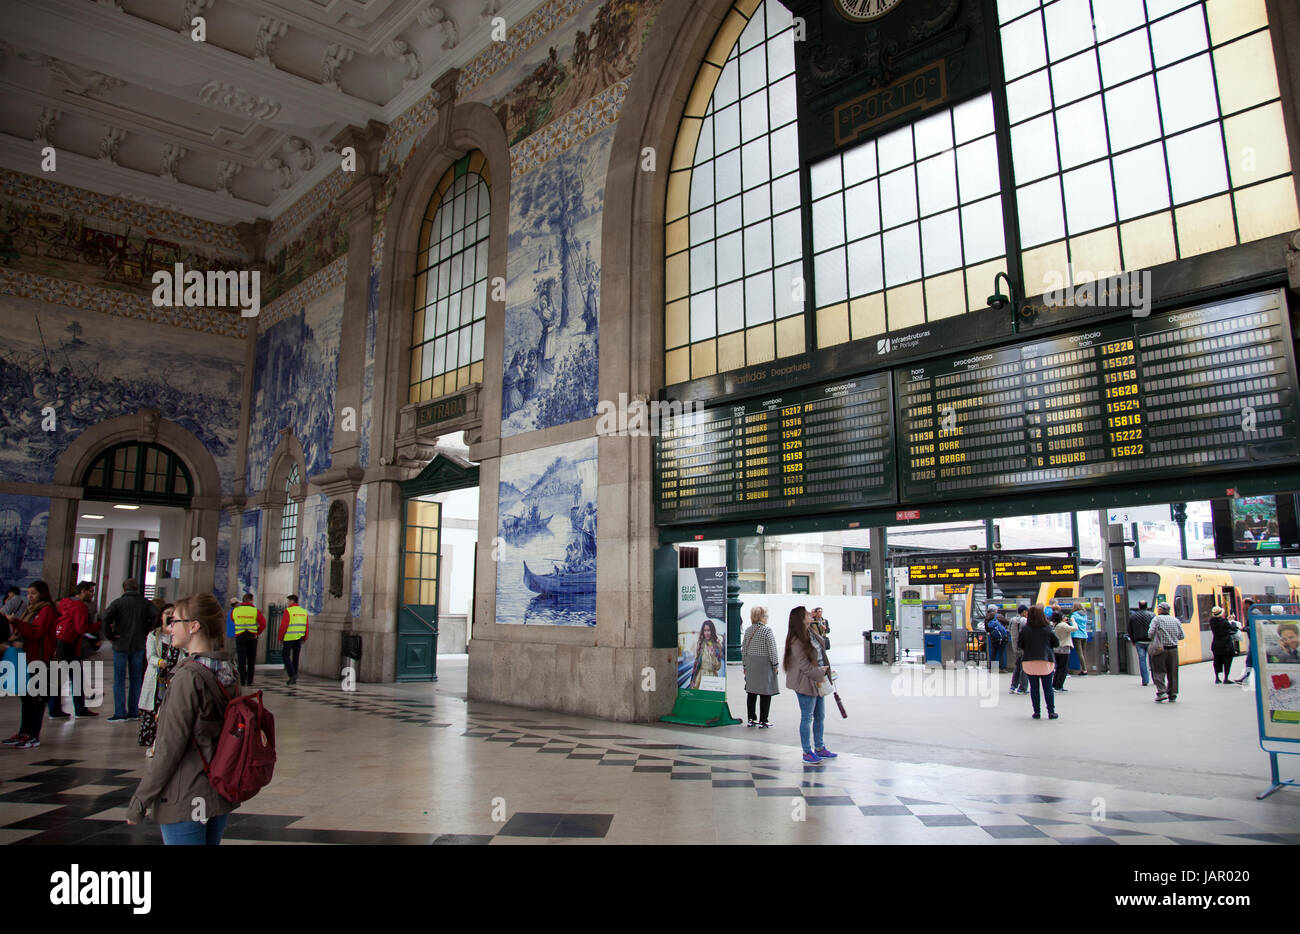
125 507
88 515
997 299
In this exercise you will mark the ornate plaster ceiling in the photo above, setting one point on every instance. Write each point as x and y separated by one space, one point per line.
233 128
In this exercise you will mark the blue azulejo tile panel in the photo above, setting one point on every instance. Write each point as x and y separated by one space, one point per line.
553 291
56 362
24 521
250 541
546 572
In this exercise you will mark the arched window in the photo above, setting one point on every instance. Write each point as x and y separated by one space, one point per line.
734 240
289 519
451 283
139 473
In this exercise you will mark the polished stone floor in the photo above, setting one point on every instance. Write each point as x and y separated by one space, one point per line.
417 764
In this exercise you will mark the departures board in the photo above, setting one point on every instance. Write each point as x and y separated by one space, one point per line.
819 449
1180 393
1165 396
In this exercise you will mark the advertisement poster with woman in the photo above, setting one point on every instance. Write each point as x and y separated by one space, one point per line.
702 629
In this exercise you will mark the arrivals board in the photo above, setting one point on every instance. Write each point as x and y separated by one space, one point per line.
1165 396
818 449
1176 394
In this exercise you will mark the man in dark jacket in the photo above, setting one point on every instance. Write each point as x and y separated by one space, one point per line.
74 622
129 619
1139 621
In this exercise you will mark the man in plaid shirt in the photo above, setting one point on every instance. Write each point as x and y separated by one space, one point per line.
1168 631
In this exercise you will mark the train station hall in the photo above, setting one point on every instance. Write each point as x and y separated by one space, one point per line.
652 422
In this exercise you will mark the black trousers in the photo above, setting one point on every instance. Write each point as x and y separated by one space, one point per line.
33 714
246 652
1062 670
290 652
1222 663
764 705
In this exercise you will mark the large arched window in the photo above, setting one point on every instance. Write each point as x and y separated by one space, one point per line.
734 241
451 283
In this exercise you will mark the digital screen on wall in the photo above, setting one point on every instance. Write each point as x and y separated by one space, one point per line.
1173 395
942 570
1256 526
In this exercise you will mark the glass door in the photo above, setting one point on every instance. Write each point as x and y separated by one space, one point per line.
417 618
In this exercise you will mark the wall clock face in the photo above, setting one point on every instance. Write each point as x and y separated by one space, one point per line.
862 11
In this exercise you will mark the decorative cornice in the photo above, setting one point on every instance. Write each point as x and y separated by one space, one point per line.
253 106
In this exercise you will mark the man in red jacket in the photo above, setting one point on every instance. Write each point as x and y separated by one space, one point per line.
74 622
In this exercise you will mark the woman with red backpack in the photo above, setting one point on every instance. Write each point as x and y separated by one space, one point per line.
37 630
190 722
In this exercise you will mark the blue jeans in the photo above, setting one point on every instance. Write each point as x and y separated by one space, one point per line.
127 704
812 711
192 833
1142 661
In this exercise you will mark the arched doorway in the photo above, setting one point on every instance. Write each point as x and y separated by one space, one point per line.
163 471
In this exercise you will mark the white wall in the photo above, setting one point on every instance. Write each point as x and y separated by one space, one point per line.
848 615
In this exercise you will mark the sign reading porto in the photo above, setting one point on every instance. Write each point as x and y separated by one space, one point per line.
867 66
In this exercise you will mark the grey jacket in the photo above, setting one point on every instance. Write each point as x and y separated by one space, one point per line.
1014 627
153 647
760 657
193 711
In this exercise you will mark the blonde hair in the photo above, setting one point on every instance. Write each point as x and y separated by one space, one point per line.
204 609
757 613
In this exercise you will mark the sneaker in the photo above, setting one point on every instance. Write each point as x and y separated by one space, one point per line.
1053 716
134 716
765 726
29 744
61 715
810 758
15 739
117 718
1160 698
86 713
825 753
1036 716
1066 690
1173 700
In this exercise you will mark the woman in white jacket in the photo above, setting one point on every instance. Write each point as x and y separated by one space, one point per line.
161 657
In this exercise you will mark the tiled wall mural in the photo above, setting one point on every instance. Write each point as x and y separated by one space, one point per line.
305 251
313 558
546 574
293 387
553 290
221 571
24 521
358 552
250 546
53 356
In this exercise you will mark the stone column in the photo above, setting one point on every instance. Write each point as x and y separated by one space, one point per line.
322 654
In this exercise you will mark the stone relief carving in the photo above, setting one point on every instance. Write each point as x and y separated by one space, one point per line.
269 31
172 154
109 143
226 172
409 57
337 531
45 125
336 56
253 106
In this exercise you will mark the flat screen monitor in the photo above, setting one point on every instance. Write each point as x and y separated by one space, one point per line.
1256 526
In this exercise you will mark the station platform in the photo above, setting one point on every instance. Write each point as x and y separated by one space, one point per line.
418 764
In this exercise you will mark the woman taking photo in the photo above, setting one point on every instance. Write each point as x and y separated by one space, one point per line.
36 626
1037 642
189 725
161 657
760 658
805 671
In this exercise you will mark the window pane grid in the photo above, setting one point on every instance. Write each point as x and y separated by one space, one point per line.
1165 106
289 519
451 290
916 204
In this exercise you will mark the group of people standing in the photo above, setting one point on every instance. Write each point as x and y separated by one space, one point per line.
1004 643
807 673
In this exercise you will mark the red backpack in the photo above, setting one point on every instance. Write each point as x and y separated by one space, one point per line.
245 756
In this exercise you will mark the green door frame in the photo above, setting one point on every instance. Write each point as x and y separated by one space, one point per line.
446 472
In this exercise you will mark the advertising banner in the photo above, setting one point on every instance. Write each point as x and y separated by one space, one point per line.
702 629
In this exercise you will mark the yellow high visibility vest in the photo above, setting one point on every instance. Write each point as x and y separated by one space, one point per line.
245 619
297 623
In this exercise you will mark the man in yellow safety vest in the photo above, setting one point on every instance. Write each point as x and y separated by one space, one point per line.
293 633
249 623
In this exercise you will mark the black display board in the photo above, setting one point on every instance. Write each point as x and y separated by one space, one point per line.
1188 392
1035 570
946 569
819 449
1191 392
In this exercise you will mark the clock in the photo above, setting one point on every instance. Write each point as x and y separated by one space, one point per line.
863 11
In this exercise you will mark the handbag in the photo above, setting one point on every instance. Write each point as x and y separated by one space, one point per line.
1156 648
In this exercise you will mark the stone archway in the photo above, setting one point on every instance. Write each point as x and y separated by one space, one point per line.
147 425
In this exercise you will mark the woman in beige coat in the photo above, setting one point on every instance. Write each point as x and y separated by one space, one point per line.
805 670
175 783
